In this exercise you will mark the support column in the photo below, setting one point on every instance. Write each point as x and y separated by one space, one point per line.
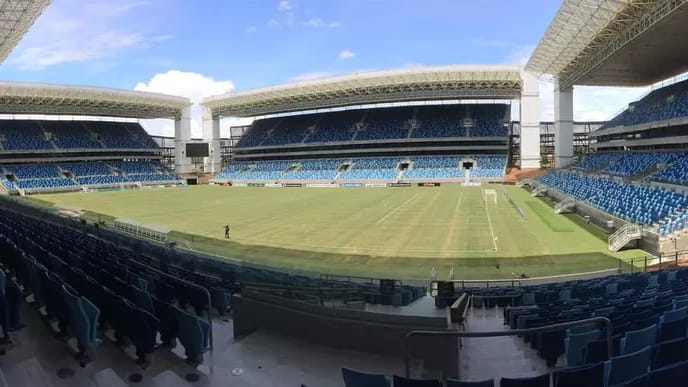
530 121
211 135
182 135
563 126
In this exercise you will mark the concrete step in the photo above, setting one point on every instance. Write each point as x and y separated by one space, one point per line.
169 379
108 378
26 373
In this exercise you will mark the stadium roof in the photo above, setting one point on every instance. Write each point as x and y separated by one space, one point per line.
408 84
37 98
614 42
16 17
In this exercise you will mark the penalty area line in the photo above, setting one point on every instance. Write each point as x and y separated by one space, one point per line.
394 210
489 222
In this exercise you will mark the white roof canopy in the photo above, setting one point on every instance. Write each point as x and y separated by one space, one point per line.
16 17
613 42
37 98
408 84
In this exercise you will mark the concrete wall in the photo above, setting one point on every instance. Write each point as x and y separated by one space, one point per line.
347 329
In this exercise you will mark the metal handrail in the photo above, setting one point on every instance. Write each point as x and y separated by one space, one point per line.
513 332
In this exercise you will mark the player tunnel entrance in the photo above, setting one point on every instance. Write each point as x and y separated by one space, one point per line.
468 165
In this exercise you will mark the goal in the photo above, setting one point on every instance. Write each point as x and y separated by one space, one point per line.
490 195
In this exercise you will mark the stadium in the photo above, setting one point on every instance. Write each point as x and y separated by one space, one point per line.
417 226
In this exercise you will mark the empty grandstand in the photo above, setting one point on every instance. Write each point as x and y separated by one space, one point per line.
420 137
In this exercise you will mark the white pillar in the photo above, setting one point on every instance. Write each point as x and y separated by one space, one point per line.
530 121
182 135
563 126
211 135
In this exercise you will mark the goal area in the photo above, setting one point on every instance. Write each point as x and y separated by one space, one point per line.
490 195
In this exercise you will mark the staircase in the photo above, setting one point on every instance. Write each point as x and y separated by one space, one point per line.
564 206
625 234
539 191
525 182
94 136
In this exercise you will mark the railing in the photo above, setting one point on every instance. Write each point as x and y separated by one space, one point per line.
539 191
623 235
564 205
513 332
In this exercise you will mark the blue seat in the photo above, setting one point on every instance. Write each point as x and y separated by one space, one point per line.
193 334
459 383
621 369
636 340
675 375
670 352
400 381
640 381
354 378
82 323
589 375
536 381
574 344
673 330
596 352
673 315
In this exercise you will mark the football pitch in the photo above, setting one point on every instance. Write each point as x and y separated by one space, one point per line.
394 232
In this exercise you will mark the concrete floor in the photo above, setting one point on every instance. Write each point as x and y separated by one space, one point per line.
261 359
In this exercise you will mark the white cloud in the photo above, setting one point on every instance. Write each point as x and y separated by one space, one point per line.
310 76
273 23
590 103
192 85
520 54
346 54
320 23
76 31
250 30
285 6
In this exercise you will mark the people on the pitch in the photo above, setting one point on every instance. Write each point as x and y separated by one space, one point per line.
226 231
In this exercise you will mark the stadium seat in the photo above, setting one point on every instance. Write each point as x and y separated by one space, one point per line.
575 344
354 378
674 375
459 383
536 381
639 339
589 375
400 381
624 368
193 334
670 352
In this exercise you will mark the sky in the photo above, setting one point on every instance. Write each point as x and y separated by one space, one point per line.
198 48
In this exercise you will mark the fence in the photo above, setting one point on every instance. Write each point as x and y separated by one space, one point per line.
654 262
545 329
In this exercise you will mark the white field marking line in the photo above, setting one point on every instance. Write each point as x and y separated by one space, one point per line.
392 211
489 221
458 203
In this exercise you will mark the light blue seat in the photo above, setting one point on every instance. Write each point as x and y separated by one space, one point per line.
621 369
636 340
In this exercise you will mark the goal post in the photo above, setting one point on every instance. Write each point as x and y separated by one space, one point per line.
490 195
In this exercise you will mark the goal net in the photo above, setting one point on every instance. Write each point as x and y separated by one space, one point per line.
490 196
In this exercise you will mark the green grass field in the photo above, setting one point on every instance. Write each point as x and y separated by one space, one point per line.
399 232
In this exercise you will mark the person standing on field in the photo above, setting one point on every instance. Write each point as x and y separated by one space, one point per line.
226 231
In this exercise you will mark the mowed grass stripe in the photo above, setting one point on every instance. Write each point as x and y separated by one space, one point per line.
337 230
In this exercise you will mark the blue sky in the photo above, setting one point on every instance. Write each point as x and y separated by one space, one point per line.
197 48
